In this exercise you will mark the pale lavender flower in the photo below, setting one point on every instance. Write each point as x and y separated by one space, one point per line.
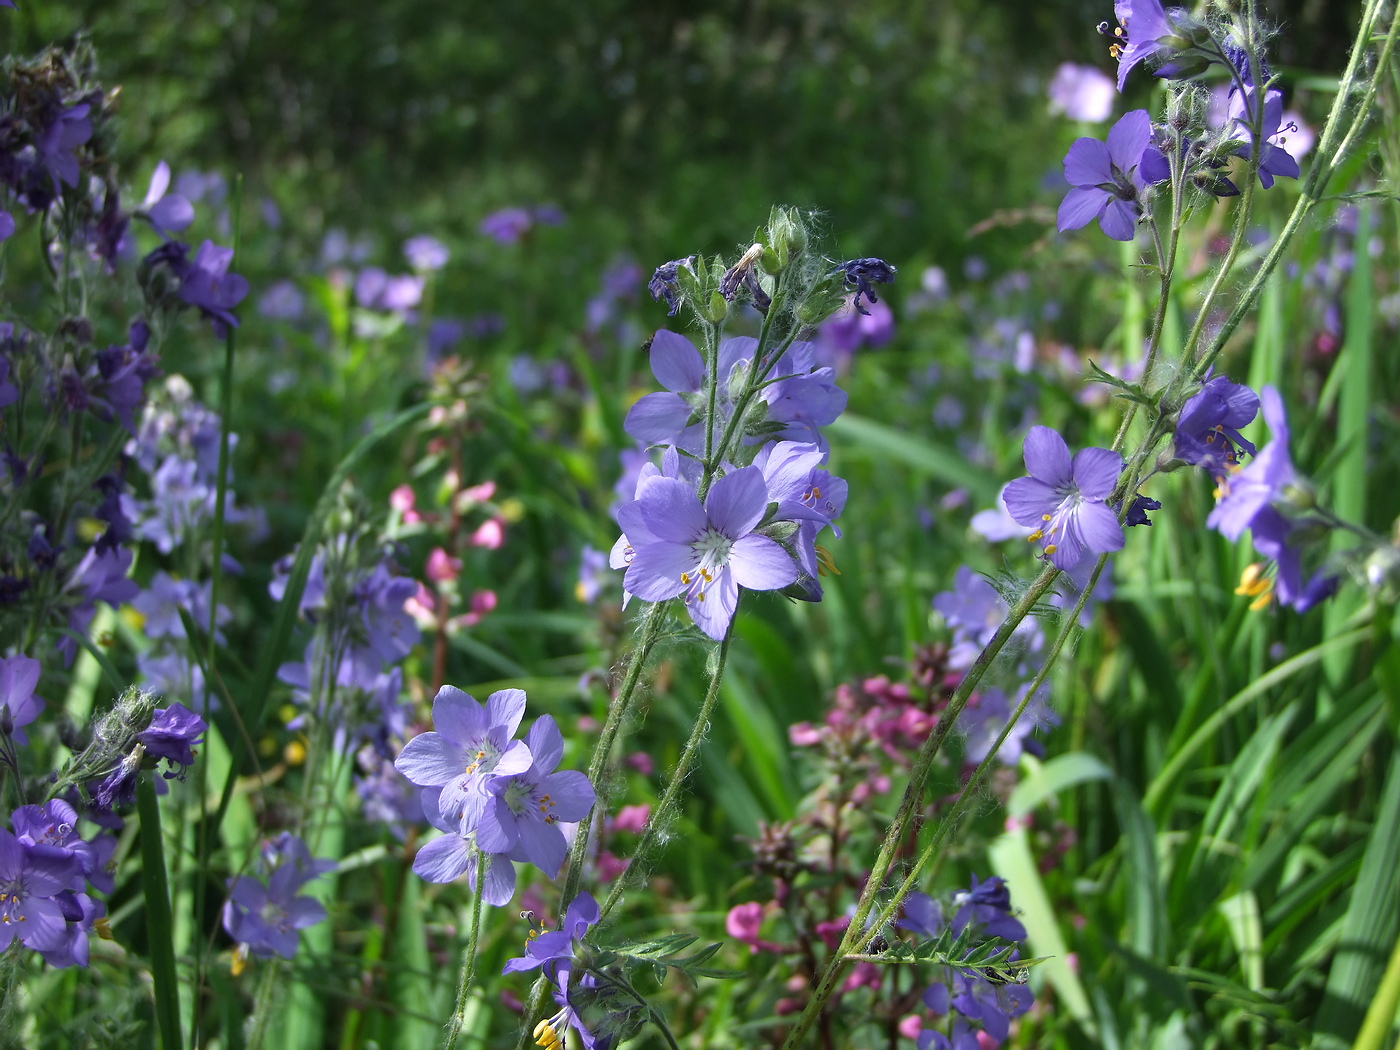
1081 93
507 226
1063 498
267 917
426 253
705 553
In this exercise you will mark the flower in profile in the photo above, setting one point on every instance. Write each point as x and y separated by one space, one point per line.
1208 427
1246 491
18 705
555 949
705 553
166 212
1274 159
1106 180
171 736
863 275
1063 498
1081 93
1146 32
665 283
69 130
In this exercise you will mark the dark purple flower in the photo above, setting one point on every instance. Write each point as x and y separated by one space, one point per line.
18 704
172 734
207 284
1208 427
1138 508
1063 499
863 275
665 285
56 143
705 553
555 948
1106 178
79 913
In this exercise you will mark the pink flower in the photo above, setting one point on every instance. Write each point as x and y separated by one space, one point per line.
609 867
423 608
402 498
831 930
804 734
911 1026
490 534
442 567
745 920
631 819
478 493
641 762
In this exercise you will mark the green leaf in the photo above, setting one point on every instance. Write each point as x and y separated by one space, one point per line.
916 452
159 924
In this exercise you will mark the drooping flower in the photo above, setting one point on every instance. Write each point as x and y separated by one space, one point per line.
1146 32
18 705
1063 498
555 948
1274 159
863 275
665 285
1208 427
705 553
171 736
1246 491
1106 178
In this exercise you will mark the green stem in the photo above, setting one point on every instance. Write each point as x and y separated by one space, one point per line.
974 783
1380 1016
855 935
159 924
464 982
262 1004
689 755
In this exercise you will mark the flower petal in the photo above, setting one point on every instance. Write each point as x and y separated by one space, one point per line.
713 609
671 509
1129 138
1096 471
1028 501
431 760
657 418
1047 456
544 845
676 363
1088 163
1099 528
571 793
761 564
458 716
737 501
1119 219
506 707
444 859
546 743
1080 207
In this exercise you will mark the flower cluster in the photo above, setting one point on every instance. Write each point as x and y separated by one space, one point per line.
479 782
757 524
975 1003
264 914
45 871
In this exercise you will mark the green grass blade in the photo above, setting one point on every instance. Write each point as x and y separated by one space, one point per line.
1372 921
857 432
159 924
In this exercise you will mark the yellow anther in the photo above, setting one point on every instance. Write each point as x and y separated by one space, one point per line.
1045 517
1050 548
1253 582
685 578
1035 537
826 564
294 754
1263 600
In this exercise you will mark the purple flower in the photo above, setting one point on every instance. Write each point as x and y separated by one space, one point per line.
18 704
592 575
207 284
551 1032
120 385
1063 499
471 744
79 913
70 129
1146 32
30 877
100 576
983 720
53 825
1208 427
1274 160
1106 180
507 226
665 283
267 917
1244 492
991 1004
166 212
988 906
863 275
171 736
392 631
7 225
524 809
282 301
1081 93
556 948
705 553
847 330
923 915
426 253
1138 508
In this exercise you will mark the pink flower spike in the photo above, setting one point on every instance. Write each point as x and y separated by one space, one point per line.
641 762
479 493
911 1026
631 819
483 602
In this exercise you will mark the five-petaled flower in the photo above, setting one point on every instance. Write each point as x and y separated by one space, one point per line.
1063 499
1106 178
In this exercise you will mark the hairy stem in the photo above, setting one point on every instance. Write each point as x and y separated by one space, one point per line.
464 981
